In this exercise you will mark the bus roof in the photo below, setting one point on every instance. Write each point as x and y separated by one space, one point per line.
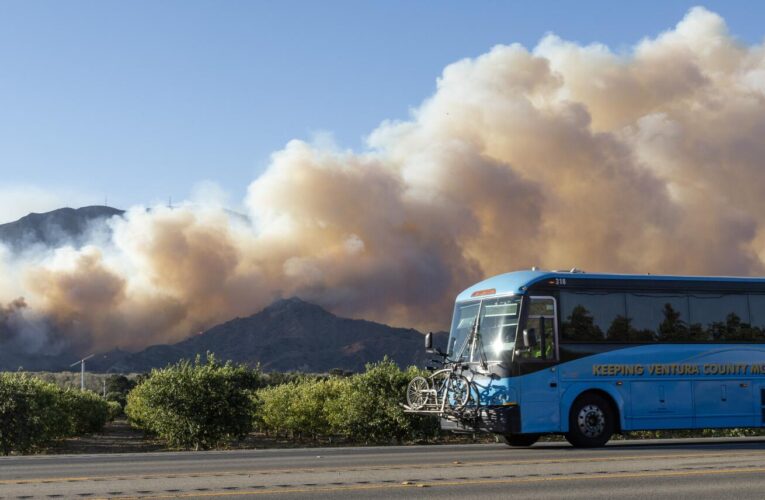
518 281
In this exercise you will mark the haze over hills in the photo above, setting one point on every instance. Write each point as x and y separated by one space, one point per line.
290 334
55 228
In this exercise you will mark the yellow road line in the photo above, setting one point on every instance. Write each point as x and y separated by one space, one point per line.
329 468
578 477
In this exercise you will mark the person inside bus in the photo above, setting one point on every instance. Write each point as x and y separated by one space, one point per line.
544 347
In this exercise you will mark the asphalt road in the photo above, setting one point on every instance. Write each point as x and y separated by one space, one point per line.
625 469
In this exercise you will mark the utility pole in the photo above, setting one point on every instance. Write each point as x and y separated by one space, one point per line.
82 370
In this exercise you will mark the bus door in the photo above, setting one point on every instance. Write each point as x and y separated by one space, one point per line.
537 366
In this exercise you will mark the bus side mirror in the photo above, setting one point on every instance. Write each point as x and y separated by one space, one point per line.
429 345
529 338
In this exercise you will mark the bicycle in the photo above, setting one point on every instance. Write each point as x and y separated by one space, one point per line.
444 388
447 391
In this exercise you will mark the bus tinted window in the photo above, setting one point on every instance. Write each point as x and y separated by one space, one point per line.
757 310
683 316
712 308
719 317
592 316
655 316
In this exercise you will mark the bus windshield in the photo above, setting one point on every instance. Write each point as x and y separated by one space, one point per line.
497 323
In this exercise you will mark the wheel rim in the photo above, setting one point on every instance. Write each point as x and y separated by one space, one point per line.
460 392
415 394
591 421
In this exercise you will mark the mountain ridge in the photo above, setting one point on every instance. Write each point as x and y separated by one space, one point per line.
288 335
55 228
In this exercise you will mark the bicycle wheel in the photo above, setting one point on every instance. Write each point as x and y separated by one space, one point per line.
459 389
417 393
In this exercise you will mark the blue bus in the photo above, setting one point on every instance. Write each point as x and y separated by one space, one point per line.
590 355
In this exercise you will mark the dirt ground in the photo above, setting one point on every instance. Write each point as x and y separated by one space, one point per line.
119 437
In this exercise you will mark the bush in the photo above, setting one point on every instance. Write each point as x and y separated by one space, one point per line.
115 410
29 414
272 406
269 379
369 409
298 408
33 413
118 387
195 405
364 407
86 411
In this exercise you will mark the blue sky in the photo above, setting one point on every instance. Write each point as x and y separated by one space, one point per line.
139 101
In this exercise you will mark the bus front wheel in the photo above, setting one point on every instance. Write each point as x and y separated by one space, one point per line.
591 422
521 439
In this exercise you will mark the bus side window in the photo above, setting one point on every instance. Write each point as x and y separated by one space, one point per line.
720 317
656 317
593 316
542 319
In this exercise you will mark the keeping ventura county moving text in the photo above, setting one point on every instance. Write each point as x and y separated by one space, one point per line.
679 369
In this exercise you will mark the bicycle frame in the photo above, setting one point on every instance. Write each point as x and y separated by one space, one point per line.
439 390
442 384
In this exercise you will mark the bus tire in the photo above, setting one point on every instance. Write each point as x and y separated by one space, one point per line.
521 439
590 422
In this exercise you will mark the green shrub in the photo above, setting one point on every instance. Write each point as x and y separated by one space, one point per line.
86 411
118 387
272 406
30 413
363 407
120 400
195 405
115 410
298 408
368 409
269 379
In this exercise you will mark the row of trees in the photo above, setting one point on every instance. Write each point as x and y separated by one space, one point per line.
206 404
203 404
33 413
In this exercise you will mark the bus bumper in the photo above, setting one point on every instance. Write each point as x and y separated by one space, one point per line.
495 419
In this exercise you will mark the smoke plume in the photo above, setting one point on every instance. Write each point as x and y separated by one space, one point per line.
560 156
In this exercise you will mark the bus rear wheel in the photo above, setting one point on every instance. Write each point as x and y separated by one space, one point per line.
521 439
591 422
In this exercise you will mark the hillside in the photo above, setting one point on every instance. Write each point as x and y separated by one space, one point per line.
288 335
58 227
